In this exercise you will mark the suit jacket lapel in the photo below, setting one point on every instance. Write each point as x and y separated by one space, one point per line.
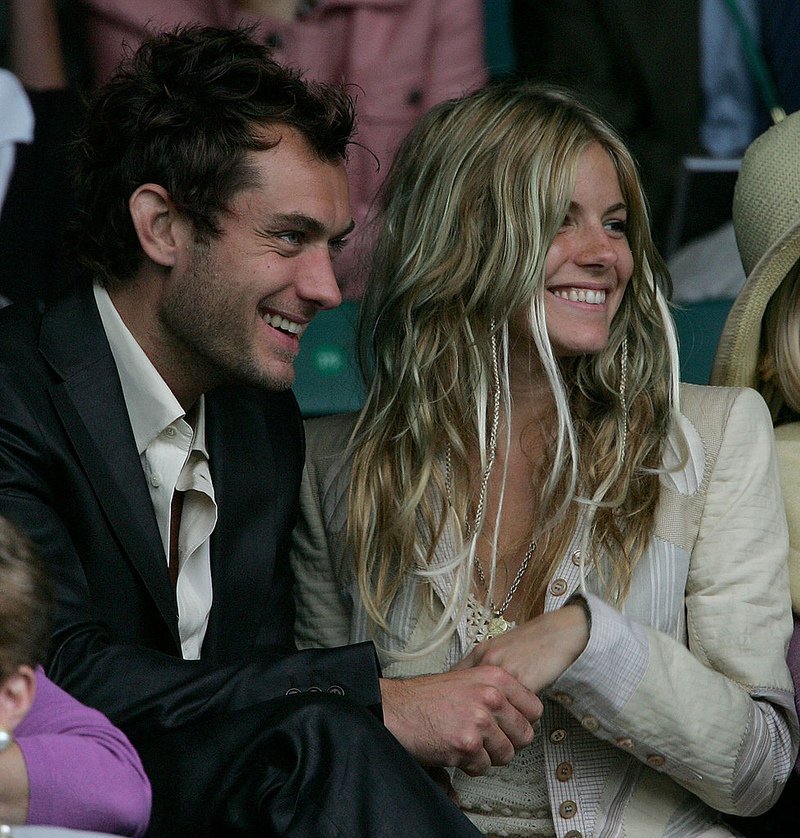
256 492
90 404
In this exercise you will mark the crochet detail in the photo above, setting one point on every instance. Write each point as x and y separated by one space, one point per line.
511 800
478 616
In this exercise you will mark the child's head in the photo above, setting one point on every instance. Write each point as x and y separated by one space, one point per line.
26 604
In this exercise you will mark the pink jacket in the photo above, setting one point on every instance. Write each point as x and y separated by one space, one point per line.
400 57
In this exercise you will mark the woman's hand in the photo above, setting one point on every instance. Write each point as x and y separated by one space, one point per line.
538 651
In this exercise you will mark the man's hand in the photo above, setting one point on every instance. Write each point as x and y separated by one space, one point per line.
471 719
538 651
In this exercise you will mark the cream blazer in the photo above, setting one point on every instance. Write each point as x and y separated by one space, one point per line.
681 705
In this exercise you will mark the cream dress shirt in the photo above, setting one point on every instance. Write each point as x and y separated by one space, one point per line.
174 457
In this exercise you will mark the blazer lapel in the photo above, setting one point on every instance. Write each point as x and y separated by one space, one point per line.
90 404
256 488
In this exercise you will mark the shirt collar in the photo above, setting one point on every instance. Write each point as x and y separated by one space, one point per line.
151 404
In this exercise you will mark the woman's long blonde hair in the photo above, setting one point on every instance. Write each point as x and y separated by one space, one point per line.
472 203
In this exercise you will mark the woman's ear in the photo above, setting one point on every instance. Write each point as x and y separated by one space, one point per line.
16 697
157 222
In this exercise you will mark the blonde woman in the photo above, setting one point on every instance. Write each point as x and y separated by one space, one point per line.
529 490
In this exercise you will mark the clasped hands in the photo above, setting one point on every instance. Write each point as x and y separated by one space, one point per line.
482 711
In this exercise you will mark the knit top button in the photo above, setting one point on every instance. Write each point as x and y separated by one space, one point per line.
564 772
568 809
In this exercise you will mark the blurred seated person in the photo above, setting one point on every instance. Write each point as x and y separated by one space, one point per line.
760 348
397 59
61 763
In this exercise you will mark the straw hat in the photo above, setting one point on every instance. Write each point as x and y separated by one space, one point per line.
766 218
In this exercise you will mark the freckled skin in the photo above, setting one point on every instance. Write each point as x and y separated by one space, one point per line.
590 252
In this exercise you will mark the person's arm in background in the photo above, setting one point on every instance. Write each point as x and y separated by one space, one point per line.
115 28
458 51
36 58
83 772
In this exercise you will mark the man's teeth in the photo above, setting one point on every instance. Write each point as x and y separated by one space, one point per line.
278 322
581 295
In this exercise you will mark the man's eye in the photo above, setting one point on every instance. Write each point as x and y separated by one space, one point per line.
293 238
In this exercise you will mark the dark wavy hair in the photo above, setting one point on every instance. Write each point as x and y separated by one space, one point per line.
183 112
26 602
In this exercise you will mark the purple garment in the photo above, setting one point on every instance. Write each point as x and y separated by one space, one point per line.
83 772
794 666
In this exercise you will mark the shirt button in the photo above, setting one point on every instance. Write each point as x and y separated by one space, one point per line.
576 558
564 772
590 723
573 833
155 480
656 761
558 735
626 743
558 587
568 809
563 699
169 430
335 689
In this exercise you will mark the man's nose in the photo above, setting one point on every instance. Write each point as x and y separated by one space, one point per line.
318 283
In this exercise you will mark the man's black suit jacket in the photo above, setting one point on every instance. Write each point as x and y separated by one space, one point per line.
70 476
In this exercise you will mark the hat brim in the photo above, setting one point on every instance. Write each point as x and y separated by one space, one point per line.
736 360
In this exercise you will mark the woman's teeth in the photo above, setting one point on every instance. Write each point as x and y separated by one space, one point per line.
581 295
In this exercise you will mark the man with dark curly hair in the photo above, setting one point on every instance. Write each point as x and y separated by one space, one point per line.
150 444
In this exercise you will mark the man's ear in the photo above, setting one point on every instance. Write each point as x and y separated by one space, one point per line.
16 697
158 224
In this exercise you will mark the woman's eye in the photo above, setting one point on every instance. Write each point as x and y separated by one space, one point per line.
617 225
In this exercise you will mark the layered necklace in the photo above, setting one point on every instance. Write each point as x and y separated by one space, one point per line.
497 622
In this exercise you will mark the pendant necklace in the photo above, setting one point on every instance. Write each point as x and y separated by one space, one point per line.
498 623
